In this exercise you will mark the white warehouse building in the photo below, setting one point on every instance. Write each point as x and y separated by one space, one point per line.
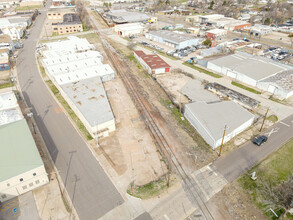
129 29
255 71
209 119
172 39
78 72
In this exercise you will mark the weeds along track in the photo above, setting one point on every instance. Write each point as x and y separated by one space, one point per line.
162 144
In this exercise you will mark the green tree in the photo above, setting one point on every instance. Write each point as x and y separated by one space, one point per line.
212 5
110 5
267 21
208 42
224 3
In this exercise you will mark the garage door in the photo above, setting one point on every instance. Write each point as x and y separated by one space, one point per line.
271 89
231 74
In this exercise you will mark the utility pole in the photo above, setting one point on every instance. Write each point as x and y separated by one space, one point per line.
264 120
222 140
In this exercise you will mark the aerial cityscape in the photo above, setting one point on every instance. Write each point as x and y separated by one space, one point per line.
141 110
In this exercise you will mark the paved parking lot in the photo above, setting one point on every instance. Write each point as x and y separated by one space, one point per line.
20 208
10 209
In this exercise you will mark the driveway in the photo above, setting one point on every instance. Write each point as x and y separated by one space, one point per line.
91 191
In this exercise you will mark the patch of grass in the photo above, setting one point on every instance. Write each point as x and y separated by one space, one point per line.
202 70
65 204
138 65
283 102
52 40
245 87
273 118
5 85
91 37
151 189
27 8
273 171
55 34
84 27
42 69
186 125
69 110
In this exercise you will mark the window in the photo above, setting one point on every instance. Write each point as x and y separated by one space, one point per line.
24 187
21 179
54 14
31 184
55 29
3 196
34 174
37 181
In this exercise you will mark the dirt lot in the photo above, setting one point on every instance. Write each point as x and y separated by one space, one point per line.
130 148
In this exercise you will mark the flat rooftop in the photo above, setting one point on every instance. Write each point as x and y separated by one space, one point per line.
55 58
90 98
196 92
255 67
171 36
214 116
18 151
121 16
7 100
71 18
9 109
73 44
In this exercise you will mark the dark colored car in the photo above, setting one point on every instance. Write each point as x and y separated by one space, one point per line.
260 140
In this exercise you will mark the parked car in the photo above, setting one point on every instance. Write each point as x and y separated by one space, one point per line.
260 140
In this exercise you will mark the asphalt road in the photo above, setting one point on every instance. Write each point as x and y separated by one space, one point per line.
91 191
239 161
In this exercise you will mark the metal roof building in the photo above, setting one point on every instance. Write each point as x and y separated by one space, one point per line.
209 119
89 101
122 16
251 70
21 166
79 77
152 63
172 39
280 85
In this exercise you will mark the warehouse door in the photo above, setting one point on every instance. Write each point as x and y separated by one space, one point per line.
272 89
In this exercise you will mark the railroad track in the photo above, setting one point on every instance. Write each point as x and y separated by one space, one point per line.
164 148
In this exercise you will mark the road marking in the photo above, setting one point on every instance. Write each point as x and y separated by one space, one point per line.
274 130
284 124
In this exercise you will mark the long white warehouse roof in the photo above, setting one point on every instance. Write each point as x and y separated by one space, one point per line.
90 98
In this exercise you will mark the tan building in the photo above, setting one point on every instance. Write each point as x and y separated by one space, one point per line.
71 23
58 13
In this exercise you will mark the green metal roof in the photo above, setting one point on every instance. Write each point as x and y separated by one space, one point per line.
18 151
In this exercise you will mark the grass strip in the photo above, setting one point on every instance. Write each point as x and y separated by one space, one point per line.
6 85
245 87
69 110
202 70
